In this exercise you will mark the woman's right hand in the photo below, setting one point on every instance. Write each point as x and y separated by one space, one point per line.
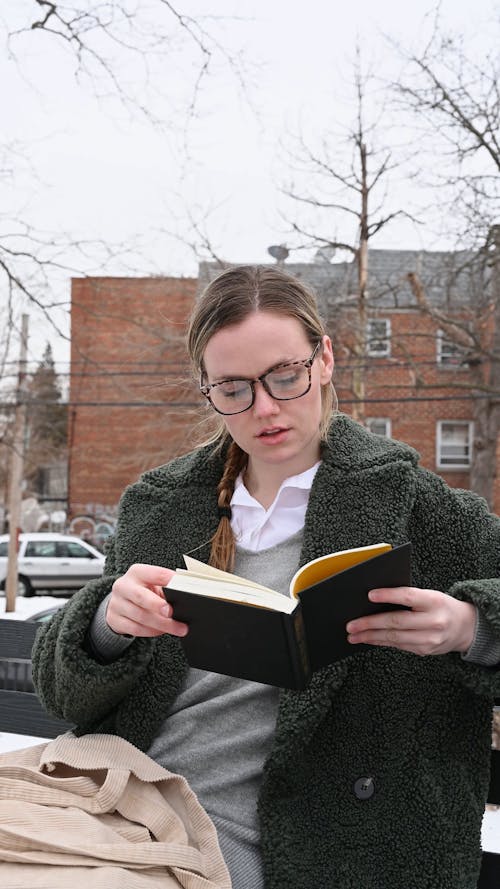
137 605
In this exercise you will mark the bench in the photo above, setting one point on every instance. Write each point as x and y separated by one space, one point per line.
22 713
20 710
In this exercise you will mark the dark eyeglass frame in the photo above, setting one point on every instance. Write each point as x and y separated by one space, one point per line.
307 363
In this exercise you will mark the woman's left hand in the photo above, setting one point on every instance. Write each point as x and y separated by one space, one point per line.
436 624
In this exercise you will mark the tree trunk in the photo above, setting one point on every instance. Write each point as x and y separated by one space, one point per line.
359 372
483 468
487 410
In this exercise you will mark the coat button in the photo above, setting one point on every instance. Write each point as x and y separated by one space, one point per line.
364 788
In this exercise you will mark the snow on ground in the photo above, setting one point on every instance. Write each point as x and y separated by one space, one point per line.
490 835
25 607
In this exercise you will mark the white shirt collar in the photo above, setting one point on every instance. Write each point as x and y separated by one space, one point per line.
256 528
303 481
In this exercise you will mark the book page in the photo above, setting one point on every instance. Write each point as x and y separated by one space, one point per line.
213 588
194 568
333 563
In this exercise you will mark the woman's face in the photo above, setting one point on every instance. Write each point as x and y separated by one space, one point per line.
281 434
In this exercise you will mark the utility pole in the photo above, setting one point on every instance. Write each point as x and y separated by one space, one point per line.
16 473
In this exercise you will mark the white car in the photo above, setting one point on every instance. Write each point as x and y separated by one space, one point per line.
48 561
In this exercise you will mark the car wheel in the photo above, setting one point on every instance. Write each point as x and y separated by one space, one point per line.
24 587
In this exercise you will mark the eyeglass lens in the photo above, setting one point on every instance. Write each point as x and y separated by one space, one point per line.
289 381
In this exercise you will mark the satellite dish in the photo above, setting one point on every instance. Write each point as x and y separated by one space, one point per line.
278 252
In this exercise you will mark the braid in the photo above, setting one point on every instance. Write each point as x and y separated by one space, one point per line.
223 544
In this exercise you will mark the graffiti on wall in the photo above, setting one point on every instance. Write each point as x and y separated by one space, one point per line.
95 523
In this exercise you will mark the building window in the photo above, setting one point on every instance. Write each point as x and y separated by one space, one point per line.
378 337
449 354
379 426
454 444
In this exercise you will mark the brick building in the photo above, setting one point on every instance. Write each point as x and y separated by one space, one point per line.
133 404
129 396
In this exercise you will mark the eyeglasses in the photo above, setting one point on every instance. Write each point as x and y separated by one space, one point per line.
283 382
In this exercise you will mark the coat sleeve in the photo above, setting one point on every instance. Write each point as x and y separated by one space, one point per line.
456 546
104 697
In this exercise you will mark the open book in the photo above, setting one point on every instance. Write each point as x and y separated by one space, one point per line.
247 630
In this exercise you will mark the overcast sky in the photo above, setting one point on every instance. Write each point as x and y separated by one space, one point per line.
103 172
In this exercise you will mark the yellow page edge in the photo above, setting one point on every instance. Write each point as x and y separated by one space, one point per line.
333 563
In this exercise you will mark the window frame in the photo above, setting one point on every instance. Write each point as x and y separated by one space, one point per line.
378 353
388 426
448 365
469 424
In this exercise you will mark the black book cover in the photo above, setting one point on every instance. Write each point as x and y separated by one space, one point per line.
280 649
327 606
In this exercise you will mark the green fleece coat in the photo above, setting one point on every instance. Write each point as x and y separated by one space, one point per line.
418 727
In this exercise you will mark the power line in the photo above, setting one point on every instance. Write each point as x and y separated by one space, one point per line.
36 402
372 368
171 404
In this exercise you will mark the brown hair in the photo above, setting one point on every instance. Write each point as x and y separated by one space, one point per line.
230 298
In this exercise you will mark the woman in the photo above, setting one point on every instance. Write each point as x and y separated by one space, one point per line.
375 776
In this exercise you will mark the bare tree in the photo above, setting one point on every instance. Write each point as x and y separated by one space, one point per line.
453 96
121 49
147 57
144 60
456 100
474 329
352 189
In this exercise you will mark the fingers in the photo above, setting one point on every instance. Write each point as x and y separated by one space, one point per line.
417 642
137 605
413 597
436 624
